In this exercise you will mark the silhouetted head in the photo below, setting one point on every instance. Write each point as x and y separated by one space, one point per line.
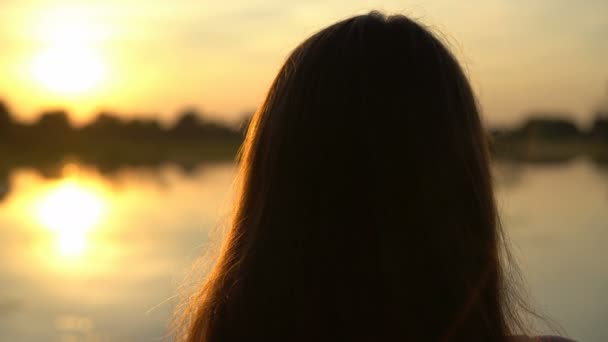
366 211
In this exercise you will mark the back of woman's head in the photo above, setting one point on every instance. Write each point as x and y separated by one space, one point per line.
366 211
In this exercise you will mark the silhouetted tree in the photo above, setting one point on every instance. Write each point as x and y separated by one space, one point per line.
55 124
8 127
143 128
188 125
599 130
5 117
550 128
104 127
5 183
106 121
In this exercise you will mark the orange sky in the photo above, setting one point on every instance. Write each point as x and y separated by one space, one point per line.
157 57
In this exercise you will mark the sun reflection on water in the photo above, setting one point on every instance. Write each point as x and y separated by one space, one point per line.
70 210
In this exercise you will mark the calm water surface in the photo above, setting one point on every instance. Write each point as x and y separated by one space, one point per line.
88 257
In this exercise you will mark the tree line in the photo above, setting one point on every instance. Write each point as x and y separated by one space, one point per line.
555 128
54 127
111 143
546 137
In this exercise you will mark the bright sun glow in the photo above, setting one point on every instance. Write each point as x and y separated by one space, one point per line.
70 62
70 210
68 70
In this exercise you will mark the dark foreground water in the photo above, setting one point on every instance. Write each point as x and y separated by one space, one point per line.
90 257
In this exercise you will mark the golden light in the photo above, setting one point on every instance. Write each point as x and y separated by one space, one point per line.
72 243
70 210
68 70
69 62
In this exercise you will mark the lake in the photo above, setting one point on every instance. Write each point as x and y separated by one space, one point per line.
97 257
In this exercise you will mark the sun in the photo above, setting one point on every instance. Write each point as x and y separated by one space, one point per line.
69 61
70 210
68 69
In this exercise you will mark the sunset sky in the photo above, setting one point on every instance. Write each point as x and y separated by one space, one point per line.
154 57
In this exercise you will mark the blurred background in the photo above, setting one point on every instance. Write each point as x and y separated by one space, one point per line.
120 120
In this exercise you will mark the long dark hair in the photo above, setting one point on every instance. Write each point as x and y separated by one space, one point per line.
366 210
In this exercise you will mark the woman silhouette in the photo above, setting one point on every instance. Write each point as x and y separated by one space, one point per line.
366 209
